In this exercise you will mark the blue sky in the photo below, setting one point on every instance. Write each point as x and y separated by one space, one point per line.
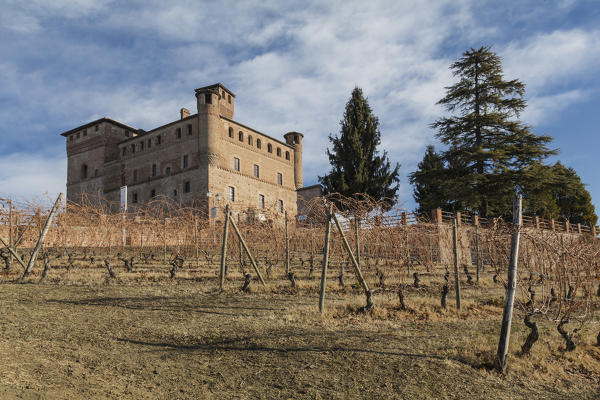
292 66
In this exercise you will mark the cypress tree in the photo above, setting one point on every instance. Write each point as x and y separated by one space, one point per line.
484 133
357 167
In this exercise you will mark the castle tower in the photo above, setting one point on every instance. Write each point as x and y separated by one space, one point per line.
209 122
295 139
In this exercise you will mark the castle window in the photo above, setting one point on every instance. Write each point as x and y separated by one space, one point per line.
96 172
261 201
236 164
241 136
279 152
168 171
126 133
78 135
187 187
270 148
71 138
96 128
141 146
296 140
135 175
256 171
258 144
149 143
287 155
178 133
175 193
231 132
279 178
250 140
280 206
134 198
124 151
153 169
84 171
158 139
85 132
185 161
153 193
223 94
207 98
133 148
231 193
189 129
229 99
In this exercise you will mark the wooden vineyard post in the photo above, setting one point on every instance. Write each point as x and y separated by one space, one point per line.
361 280
456 272
477 251
196 241
247 250
511 285
224 248
165 241
325 261
10 232
40 241
287 246
356 238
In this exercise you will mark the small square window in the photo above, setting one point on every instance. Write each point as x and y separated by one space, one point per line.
85 132
187 187
134 199
149 143
153 193
175 193
207 98
185 161
231 132
96 128
135 175
189 129
178 133
279 178
256 171
270 148
236 164
96 172
241 136
153 169
231 193
229 99
278 152
141 146
133 148
78 135
158 139
124 151
71 138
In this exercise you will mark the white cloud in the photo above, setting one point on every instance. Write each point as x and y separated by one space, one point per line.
30 175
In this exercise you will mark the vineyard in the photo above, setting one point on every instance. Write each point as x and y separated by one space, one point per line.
349 263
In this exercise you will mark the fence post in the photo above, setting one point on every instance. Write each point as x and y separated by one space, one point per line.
552 224
325 261
567 226
436 216
456 272
287 246
247 250
458 219
594 232
196 241
42 236
537 222
477 250
224 248
579 228
511 285
356 228
165 240
10 232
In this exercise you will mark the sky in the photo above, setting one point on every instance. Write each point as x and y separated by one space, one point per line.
292 66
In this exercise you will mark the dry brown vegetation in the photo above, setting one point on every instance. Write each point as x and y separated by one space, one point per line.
159 329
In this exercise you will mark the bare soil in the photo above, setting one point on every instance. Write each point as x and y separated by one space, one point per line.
144 336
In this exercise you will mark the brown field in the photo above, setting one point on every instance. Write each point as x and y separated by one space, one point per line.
80 335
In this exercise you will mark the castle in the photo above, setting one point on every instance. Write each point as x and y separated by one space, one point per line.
205 159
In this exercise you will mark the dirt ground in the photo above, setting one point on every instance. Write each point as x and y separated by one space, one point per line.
147 338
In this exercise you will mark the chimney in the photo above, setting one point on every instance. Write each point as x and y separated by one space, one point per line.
185 113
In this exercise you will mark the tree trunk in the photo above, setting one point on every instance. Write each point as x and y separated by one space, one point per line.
532 337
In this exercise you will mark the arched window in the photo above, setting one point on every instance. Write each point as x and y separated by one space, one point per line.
231 132
279 152
241 136
270 148
84 171
258 144
250 140
287 155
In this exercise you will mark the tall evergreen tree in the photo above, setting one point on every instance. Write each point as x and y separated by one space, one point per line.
429 181
357 167
484 133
